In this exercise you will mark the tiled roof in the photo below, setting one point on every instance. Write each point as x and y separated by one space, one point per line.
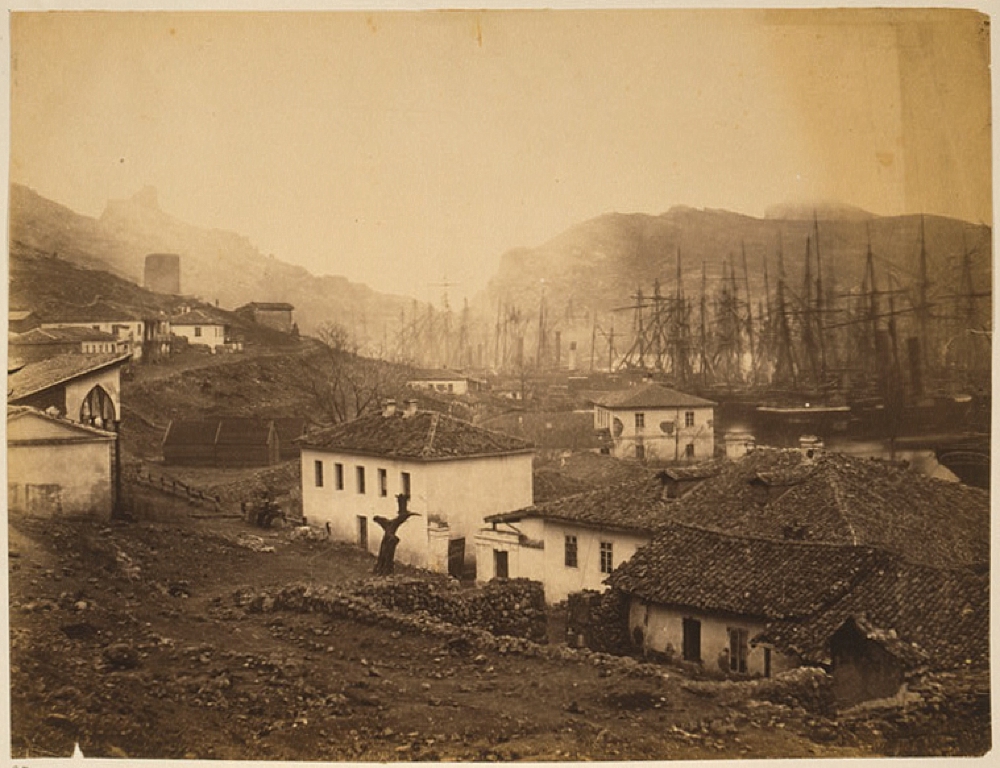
700 471
835 498
196 317
58 336
649 396
36 377
709 571
941 614
637 506
424 435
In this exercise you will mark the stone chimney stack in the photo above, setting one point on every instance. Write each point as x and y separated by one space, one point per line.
411 409
389 409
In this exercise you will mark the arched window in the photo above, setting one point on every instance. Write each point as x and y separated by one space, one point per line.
97 409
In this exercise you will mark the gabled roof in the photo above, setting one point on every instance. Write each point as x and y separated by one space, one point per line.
941 614
196 317
18 412
45 374
425 435
636 506
711 571
58 336
648 396
838 498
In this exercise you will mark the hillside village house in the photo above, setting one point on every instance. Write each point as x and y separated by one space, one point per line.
125 325
199 327
83 388
56 467
41 343
653 423
573 543
448 382
749 606
453 473
276 315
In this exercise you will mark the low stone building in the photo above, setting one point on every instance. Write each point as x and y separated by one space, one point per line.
56 467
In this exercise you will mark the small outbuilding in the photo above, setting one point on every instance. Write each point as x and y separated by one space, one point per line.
224 443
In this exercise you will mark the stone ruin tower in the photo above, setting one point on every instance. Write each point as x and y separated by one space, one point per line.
163 273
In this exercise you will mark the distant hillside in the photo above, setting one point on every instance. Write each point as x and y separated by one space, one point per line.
53 288
597 266
215 265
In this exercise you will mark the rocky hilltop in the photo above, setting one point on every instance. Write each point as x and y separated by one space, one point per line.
215 264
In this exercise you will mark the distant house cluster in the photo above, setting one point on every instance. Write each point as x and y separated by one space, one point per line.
446 382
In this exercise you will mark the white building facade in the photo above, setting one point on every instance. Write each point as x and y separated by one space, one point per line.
453 475
653 423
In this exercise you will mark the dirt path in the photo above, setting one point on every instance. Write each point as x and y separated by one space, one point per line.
127 639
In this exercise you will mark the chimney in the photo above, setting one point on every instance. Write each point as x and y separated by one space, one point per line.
411 409
389 409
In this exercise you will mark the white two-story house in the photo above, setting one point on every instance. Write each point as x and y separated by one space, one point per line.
454 475
654 423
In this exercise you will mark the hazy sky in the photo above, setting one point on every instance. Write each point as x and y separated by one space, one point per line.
400 149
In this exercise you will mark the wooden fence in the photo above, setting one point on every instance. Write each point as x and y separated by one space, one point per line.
178 489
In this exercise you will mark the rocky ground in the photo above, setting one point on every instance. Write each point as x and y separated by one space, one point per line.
163 638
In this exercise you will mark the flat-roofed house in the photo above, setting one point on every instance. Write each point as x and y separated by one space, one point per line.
453 473
56 467
654 423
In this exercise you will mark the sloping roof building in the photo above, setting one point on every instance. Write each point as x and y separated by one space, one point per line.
652 422
453 474
273 314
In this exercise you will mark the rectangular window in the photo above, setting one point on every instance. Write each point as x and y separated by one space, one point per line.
689 450
767 662
405 477
689 419
640 420
571 552
640 451
361 479
737 649
318 467
197 330
383 483
607 557
363 532
339 472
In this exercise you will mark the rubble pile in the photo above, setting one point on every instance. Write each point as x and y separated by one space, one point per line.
348 603
279 479
806 688
513 607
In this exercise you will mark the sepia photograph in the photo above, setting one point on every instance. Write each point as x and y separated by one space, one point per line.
499 385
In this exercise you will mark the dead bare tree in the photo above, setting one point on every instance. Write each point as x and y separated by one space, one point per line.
338 382
386 562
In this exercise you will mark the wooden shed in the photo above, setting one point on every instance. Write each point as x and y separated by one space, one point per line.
223 442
